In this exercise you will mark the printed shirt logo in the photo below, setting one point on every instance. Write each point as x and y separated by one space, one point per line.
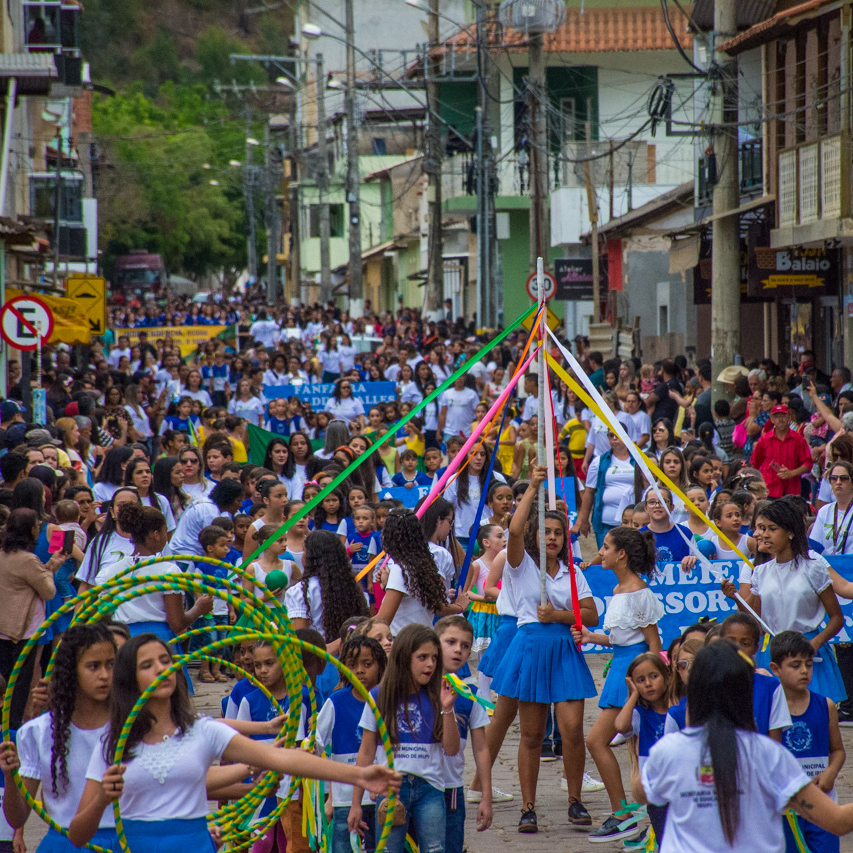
798 738
705 774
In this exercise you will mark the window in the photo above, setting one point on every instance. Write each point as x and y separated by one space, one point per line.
43 197
49 25
336 220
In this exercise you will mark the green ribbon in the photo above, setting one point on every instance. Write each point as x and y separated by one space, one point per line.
318 498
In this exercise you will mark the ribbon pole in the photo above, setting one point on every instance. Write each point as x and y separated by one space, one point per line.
543 556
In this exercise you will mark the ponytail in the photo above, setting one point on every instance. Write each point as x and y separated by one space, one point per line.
640 549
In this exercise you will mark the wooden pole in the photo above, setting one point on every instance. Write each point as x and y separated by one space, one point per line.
543 557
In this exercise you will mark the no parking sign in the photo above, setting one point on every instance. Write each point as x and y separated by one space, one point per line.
26 323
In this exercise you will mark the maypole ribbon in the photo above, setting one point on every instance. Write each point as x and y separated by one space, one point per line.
321 495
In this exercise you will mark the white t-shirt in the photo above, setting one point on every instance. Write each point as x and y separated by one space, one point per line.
294 603
35 747
636 425
268 332
410 611
346 409
444 563
597 435
260 584
830 518
104 491
146 608
178 766
789 592
163 505
197 491
140 422
678 773
251 410
200 396
461 406
618 479
469 715
465 513
525 588
116 548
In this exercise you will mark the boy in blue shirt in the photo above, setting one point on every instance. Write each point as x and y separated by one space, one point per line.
814 737
456 636
410 477
671 545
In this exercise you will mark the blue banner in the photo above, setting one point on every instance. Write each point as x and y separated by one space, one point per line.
409 497
319 393
688 596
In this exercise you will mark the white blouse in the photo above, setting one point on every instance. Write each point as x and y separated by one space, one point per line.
525 588
628 613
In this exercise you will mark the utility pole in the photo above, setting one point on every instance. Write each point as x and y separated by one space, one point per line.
295 290
249 190
356 282
323 185
592 207
540 242
725 247
273 184
432 166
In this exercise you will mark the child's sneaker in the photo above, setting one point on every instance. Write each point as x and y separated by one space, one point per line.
578 815
638 842
613 829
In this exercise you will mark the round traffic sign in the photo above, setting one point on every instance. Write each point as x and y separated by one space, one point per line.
26 322
550 286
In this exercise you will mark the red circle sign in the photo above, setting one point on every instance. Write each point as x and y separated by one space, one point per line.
550 286
26 322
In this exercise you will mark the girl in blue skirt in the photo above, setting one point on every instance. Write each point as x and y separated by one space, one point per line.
161 784
631 629
793 592
543 664
53 750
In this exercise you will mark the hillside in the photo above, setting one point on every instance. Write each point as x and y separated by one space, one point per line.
150 42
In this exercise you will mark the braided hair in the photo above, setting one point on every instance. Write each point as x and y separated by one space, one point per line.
640 549
63 693
404 542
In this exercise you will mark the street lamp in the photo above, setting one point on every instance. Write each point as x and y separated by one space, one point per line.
311 31
250 140
283 81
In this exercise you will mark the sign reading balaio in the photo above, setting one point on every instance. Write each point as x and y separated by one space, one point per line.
793 271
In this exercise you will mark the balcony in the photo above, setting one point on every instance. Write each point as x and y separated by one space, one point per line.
51 26
814 181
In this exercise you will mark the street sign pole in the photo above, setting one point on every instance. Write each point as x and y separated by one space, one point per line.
26 323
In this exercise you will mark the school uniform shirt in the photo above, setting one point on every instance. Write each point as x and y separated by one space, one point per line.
339 737
158 501
410 611
628 613
200 396
789 592
140 422
166 780
273 377
346 409
173 422
196 517
671 547
371 543
145 608
648 726
255 706
294 603
419 753
469 715
347 357
331 360
285 426
465 513
525 588
807 739
677 774
419 479
104 491
832 529
461 407
676 717
250 410
35 747
723 550
618 479
444 563
216 376
232 705
115 549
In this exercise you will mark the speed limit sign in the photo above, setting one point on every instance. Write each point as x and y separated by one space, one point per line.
550 286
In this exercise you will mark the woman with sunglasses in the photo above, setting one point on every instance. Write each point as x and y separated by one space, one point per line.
195 484
663 437
343 406
832 525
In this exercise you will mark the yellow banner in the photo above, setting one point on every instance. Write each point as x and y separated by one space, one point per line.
188 338
70 325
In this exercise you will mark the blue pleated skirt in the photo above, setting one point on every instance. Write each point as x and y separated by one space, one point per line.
56 842
543 664
495 653
614 694
167 836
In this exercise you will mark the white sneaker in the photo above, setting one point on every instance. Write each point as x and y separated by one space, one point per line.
590 785
498 796
618 740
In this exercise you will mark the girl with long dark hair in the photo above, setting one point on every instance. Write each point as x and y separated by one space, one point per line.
793 591
663 436
631 625
111 473
328 593
467 489
543 665
302 455
417 706
414 591
138 474
53 749
168 483
725 786
176 746
278 460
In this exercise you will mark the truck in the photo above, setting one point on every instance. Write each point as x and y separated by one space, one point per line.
137 273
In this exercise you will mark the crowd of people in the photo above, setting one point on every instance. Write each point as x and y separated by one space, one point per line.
146 453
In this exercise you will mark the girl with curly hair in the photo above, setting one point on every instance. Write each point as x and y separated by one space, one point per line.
53 750
328 593
543 664
415 591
